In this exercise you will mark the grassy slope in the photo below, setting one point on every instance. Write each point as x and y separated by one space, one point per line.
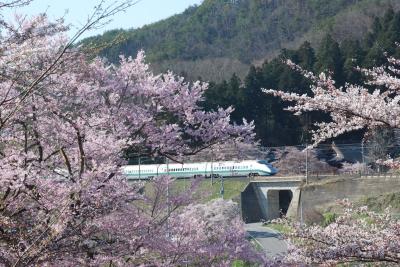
207 191
381 202
232 188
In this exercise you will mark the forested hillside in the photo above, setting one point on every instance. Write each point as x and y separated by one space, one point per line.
222 37
275 127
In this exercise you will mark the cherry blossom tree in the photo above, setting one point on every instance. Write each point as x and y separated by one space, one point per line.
292 161
351 107
354 168
65 125
358 235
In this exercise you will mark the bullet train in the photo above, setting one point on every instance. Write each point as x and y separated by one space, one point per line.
207 169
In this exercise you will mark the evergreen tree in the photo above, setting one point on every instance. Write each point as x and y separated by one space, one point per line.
306 56
353 56
329 58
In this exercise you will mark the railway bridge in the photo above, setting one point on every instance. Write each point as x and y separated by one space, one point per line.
268 198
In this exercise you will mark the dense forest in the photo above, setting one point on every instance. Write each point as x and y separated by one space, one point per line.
337 36
222 37
275 127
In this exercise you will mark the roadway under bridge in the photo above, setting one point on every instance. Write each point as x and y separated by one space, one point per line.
269 198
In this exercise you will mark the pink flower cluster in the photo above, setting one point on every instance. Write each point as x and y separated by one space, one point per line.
65 124
356 236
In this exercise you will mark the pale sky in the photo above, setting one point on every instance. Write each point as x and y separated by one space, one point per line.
144 12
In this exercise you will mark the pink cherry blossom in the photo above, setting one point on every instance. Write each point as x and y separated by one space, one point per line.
65 125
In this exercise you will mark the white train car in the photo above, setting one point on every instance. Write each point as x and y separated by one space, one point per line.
207 169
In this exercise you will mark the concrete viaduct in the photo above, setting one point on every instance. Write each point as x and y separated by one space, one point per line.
268 197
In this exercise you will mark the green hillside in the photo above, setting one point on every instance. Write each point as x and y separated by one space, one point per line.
222 37
341 59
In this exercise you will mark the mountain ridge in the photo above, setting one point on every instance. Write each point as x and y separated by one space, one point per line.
220 37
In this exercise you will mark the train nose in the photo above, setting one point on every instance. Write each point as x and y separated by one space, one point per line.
273 170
